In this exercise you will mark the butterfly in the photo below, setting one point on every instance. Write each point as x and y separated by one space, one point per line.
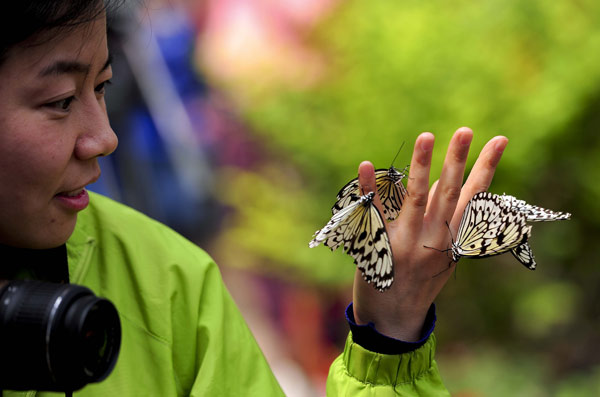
361 229
533 212
490 227
390 188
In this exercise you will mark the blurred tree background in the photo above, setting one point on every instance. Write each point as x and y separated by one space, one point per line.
368 76
240 120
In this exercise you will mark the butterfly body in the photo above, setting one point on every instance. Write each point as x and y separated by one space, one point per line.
361 230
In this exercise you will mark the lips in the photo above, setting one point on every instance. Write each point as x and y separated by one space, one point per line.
74 200
73 193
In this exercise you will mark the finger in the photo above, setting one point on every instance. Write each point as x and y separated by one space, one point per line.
481 175
415 203
367 182
447 193
431 193
366 177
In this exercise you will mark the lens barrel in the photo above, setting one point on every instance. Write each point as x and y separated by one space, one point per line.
55 337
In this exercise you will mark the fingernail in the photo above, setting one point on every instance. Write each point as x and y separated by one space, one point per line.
501 145
427 144
465 139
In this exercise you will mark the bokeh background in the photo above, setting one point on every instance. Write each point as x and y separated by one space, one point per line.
239 121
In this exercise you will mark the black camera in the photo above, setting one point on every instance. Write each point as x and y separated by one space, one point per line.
55 337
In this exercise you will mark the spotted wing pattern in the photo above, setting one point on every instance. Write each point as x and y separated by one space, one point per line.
361 230
390 188
489 227
533 212
524 254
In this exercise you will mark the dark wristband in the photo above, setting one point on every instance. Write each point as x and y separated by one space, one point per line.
368 337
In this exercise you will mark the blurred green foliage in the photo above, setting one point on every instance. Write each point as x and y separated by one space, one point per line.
527 70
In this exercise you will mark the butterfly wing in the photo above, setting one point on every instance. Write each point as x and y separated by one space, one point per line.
333 233
391 192
533 212
489 227
390 188
514 202
371 249
524 254
347 195
351 191
361 230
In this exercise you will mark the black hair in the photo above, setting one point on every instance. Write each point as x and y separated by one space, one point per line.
21 20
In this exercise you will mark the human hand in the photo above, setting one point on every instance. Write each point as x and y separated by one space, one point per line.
419 272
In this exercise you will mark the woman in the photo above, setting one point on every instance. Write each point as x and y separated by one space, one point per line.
182 333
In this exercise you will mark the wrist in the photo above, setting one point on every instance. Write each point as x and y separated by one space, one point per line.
374 339
404 322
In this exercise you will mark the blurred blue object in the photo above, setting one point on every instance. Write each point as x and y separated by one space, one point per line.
160 166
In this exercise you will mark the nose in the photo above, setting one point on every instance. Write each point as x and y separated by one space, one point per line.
96 137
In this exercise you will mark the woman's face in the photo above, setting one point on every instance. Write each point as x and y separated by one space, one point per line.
53 128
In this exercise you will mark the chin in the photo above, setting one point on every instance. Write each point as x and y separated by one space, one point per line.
53 243
50 237
42 243
58 238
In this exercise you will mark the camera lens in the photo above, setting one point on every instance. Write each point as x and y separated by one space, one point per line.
95 335
55 337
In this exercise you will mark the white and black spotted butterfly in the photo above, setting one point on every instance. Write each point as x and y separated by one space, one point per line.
361 229
533 212
489 227
390 188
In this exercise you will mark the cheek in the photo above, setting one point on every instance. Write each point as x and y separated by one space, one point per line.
28 169
35 161
29 180
28 214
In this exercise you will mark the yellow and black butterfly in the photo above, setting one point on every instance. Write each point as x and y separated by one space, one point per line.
361 229
390 188
490 227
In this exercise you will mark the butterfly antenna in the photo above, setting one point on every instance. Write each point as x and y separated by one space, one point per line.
439 250
397 153
436 249
450 231
446 251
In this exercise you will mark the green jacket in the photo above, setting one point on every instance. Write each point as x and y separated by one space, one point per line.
182 332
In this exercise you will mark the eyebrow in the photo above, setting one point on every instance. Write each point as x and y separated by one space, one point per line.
71 67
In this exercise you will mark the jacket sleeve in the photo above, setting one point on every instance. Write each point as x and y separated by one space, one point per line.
360 372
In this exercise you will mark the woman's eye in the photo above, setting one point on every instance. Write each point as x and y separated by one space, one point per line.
101 88
63 104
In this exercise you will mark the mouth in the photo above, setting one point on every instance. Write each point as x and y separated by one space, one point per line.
72 193
73 200
77 199
79 190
